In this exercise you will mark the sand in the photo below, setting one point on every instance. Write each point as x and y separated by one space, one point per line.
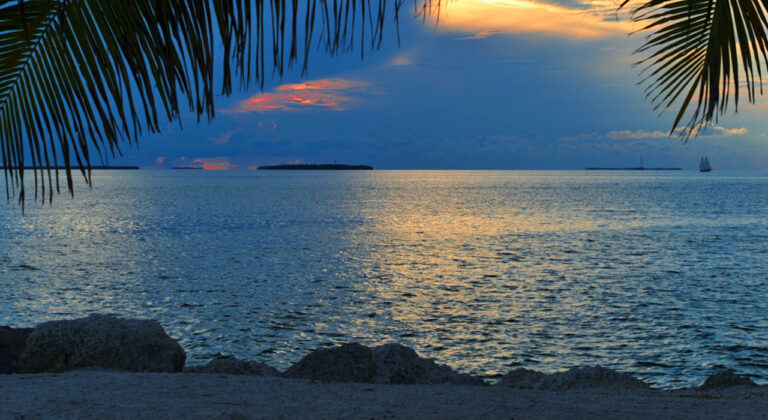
121 395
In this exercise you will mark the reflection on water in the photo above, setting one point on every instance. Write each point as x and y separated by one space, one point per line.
662 274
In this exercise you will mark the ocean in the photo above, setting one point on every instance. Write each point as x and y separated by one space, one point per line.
660 274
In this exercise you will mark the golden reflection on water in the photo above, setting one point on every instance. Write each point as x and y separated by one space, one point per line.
432 273
423 224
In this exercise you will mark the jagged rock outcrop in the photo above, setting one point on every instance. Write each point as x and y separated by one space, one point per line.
351 362
387 364
232 366
726 379
397 364
101 341
576 378
12 343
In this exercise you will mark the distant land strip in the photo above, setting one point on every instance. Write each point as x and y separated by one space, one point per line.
326 167
633 169
100 168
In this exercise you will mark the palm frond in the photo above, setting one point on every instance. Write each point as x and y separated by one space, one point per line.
701 53
78 78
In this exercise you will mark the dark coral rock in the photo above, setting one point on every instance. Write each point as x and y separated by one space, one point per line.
397 364
232 366
576 378
726 379
350 362
12 343
101 341
387 364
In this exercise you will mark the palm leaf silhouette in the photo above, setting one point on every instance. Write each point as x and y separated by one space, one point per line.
701 53
80 77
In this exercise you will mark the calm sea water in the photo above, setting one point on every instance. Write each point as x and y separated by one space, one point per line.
663 274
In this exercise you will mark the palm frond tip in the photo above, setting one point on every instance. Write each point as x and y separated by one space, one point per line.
701 54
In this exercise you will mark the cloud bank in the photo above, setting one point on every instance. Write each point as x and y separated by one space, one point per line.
713 131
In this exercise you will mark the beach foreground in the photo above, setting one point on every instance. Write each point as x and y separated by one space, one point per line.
117 395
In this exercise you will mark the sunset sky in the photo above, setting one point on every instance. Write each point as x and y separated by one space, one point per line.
512 84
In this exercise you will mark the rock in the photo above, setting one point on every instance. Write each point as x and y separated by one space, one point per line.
397 364
232 366
12 343
350 362
101 341
387 364
576 378
726 379
591 377
522 378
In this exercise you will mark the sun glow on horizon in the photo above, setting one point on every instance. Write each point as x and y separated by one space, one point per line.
214 164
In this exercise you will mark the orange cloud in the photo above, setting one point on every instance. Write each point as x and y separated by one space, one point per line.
328 94
214 164
483 18
324 84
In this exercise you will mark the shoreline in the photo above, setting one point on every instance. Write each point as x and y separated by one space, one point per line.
130 345
102 366
113 394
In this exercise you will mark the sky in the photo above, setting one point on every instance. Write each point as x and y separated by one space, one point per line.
496 84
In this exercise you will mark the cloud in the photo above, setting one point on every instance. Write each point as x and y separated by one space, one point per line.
618 141
324 85
483 18
727 132
271 125
267 129
580 137
480 35
223 138
214 164
639 134
322 94
401 61
712 131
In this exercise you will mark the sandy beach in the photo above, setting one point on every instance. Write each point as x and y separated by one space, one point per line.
121 395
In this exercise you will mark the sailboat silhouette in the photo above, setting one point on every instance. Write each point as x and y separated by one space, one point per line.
704 165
